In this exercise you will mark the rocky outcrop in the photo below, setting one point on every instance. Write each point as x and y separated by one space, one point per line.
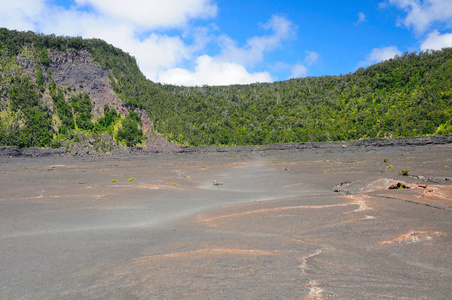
77 70
359 187
30 152
361 145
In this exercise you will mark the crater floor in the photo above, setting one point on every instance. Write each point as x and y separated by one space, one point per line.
155 227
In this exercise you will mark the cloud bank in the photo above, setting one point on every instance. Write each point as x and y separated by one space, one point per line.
160 34
437 41
361 18
421 15
229 66
213 72
147 15
380 54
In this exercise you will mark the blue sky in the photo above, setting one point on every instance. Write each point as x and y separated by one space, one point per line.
217 42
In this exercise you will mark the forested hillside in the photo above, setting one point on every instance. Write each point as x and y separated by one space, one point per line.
42 104
57 90
410 95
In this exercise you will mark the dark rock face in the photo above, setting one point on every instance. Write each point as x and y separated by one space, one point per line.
158 144
30 152
431 179
367 143
10 151
359 187
360 145
78 70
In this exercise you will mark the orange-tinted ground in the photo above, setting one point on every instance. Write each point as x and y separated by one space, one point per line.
274 229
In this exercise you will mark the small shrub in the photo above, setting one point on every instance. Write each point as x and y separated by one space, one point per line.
130 133
390 166
385 160
399 186
131 179
403 172
113 180
55 143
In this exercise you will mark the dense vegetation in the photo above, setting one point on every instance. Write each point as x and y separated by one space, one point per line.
129 133
36 127
410 95
27 121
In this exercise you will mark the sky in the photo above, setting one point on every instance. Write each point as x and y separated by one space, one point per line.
222 42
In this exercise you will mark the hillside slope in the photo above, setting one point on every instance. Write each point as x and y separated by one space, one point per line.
407 96
58 91
46 82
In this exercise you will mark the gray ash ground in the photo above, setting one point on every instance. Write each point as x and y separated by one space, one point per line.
153 225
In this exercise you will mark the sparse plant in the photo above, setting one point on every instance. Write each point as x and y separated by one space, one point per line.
131 179
113 180
403 172
389 166
399 185
385 160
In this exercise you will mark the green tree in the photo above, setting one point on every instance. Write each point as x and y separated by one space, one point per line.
130 133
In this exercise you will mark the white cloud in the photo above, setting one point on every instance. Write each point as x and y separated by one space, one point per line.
152 14
119 25
298 71
71 22
253 51
437 41
229 66
421 15
361 18
311 57
212 72
138 27
301 70
154 53
21 15
380 54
